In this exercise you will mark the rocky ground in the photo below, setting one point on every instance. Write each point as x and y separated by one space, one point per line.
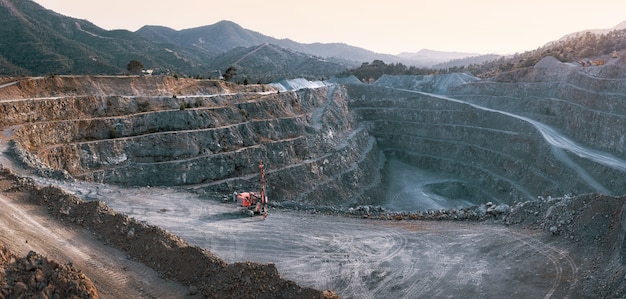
589 227
35 276
206 275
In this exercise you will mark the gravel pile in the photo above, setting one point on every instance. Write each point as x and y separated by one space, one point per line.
586 218
34 276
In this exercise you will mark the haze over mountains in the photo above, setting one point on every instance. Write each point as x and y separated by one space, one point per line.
225 35
619 26
38 41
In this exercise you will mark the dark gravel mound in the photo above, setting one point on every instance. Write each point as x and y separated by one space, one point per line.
34 276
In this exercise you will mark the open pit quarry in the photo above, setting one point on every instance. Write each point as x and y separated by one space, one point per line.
422 186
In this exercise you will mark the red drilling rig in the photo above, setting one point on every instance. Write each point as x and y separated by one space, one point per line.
254 203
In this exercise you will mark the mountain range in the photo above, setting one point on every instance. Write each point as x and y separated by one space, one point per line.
38 41
34 41
226 35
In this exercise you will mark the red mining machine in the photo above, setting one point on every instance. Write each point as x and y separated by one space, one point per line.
254 203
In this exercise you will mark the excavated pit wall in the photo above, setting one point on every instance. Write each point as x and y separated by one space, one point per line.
326 145
505 156
585 104
313 150
588 104
334 161
561 106
149 86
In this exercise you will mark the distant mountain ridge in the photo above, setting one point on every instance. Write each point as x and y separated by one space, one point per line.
428 58
35 40
226 35
38 41
270 63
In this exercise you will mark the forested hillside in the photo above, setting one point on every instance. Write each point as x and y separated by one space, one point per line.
584 48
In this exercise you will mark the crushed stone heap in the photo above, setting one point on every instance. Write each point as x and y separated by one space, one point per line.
34 276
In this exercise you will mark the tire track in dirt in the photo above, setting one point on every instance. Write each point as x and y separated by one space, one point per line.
510 244
357 264
113 274
567 271
387 261
430 266
365 259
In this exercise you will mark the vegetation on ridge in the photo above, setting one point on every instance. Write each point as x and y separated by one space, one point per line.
582 48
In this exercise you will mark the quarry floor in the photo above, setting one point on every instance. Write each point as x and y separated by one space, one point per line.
357 258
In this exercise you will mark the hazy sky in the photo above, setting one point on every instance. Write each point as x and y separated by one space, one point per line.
384 26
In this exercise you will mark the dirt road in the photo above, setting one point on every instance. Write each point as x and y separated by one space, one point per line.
25 227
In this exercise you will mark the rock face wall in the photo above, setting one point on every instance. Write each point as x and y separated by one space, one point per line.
549 130
506 158
312 148
587 104
333 144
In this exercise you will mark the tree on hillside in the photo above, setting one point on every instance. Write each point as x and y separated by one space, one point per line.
372 71
230 73
134 67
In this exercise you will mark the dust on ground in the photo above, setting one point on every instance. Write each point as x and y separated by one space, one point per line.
126 258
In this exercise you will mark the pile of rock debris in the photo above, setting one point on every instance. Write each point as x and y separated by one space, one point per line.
587 217
34 276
